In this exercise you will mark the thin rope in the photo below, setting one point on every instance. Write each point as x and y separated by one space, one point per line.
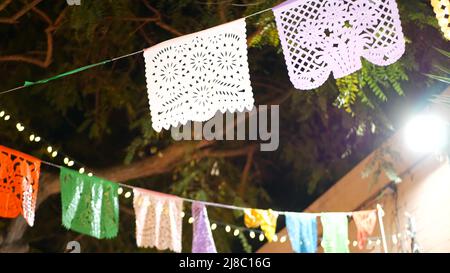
80 69
71 72
211 204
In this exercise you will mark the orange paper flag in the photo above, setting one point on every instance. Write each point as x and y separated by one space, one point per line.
19 174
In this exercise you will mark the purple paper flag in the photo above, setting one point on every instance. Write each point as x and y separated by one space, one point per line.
320 37
202 241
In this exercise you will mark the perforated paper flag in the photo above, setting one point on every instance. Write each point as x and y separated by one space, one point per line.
320 37
192 77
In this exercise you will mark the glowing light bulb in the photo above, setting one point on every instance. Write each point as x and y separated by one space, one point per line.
37 139
7 117
355 243
128 194
261 237
90 174
191 220
426 133
119 191
70 164
227 228
182 214
32 137
55 153
275 238
81 170
252 234
66 160
2 113
213 226
236 232
19 127
283 239
49 149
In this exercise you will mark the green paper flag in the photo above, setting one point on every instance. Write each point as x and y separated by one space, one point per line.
90 205
335 232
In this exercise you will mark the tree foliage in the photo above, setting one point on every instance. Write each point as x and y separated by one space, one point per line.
101 116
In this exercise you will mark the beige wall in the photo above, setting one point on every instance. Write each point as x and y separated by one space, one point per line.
424 193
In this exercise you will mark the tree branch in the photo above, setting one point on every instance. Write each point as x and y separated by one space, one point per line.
52 26
244 178
13 19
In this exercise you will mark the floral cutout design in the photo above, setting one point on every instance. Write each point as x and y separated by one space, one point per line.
19 185
158 220
320 37
192 77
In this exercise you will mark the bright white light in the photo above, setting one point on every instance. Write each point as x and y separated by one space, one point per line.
213 226
252 234
81 170
236 232
261 237
227 228
119 191
426 133
191 220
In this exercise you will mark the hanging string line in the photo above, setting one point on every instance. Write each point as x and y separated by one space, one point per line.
211 204
83 68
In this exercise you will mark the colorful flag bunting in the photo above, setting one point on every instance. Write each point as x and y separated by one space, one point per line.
302 230
335 232
202 239
323 36
267 219
442 10
158 220
90 205
191 77
19 174
365 223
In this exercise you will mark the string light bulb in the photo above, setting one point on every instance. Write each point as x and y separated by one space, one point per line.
2 113
252 234
128 194
213 226
283 239
236 232
49 149
355 243
90 174
66 160
70 164
19 127
378 242
261 237
55 153
81 171
7 117
32 137
191 220
37 138
119 190
275 238
182 214
227 228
